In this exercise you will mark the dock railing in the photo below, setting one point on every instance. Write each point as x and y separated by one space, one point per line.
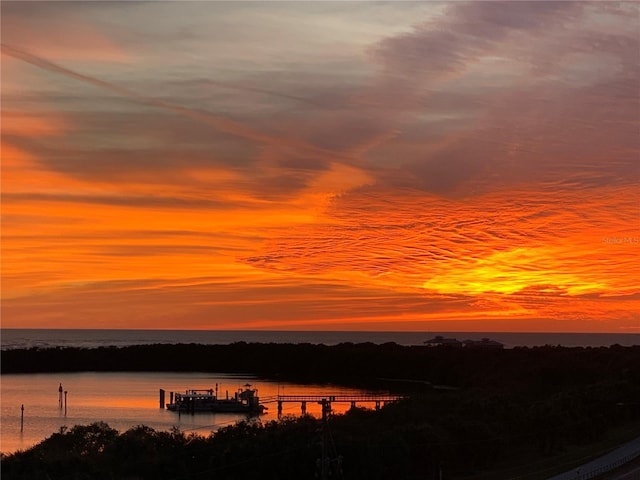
332 398
327 400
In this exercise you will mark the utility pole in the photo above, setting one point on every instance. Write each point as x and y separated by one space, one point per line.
322 463
329 463
324 460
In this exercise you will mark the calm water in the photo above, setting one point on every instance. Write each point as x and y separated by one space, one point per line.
125 400
25 338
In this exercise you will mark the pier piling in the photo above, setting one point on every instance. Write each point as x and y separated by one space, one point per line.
326 408
379 400
161 398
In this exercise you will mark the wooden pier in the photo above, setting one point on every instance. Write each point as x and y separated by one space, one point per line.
327 400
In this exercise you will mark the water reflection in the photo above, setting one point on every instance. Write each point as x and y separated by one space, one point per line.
124 400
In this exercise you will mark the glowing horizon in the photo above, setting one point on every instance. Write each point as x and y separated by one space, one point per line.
338 166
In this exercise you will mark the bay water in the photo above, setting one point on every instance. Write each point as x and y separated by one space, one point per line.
124 400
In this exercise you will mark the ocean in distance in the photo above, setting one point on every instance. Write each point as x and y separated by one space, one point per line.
50 338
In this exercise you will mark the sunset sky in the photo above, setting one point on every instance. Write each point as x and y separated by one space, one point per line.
321 165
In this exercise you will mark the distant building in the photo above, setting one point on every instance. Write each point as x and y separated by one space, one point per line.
484 343
440 341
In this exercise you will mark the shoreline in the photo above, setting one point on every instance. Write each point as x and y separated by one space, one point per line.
51 338
362 365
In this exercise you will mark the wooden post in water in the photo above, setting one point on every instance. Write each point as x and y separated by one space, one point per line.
60 396
22 418
170 397
161 398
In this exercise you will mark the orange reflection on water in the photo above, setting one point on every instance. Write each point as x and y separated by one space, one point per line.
124 400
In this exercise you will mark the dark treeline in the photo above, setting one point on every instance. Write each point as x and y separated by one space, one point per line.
538 369
512 407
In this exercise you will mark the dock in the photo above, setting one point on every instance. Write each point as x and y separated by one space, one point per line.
247 401
327 400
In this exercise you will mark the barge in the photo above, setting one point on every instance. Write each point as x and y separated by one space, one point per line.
245 400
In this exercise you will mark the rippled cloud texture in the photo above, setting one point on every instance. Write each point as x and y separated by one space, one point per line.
323 165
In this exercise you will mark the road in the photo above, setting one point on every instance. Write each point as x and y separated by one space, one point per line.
605 463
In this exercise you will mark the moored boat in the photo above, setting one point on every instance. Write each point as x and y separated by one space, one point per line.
245 400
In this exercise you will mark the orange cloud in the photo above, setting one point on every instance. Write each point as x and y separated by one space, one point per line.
445 177
495 247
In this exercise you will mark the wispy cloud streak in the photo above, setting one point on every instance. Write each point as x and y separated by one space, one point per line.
221 123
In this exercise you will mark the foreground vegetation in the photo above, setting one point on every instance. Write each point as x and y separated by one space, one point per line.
510 408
